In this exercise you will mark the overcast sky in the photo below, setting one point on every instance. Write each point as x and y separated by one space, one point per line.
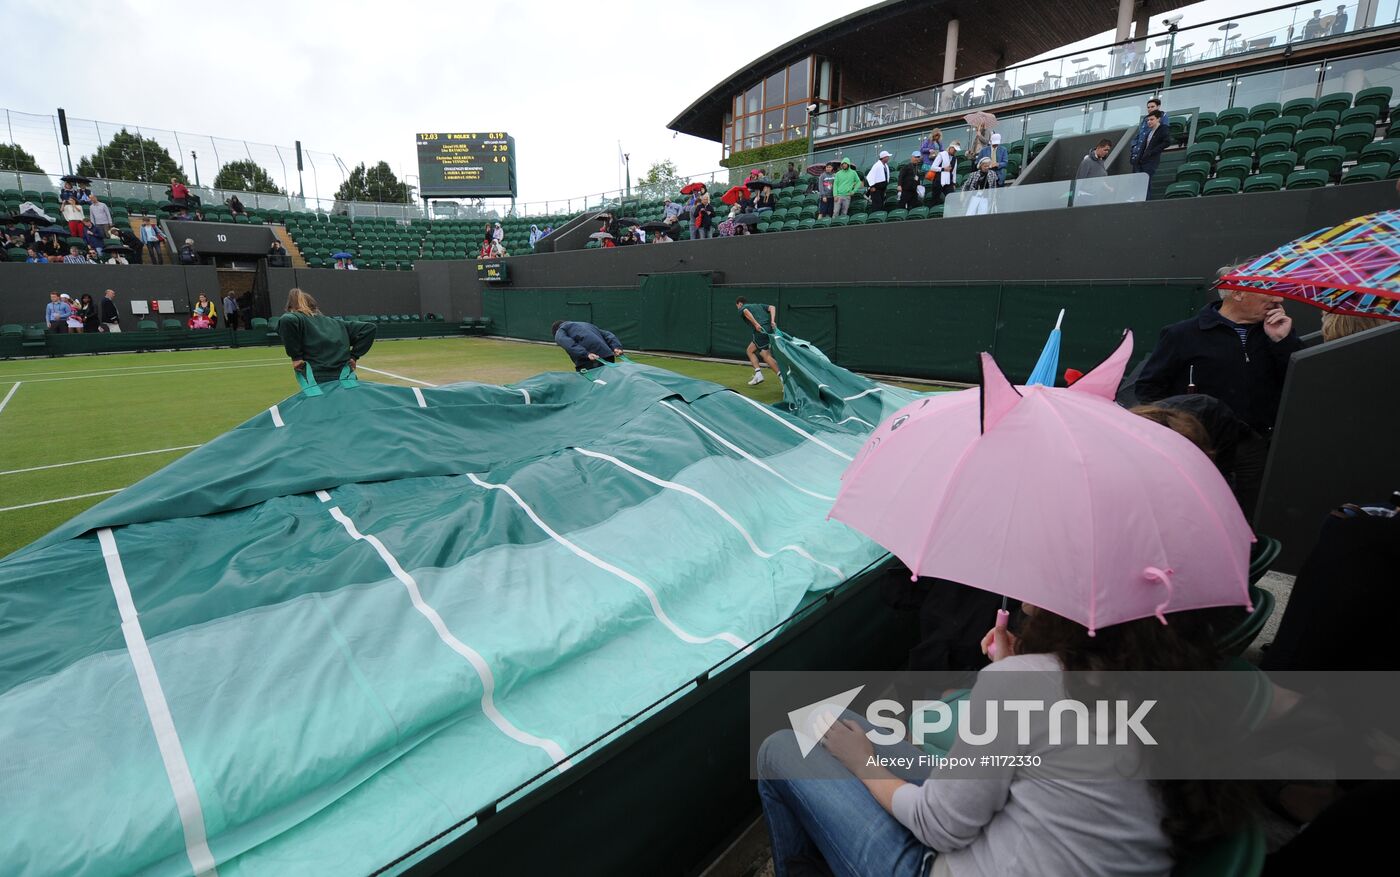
356 79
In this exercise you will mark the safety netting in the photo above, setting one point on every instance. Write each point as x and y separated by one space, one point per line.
342 627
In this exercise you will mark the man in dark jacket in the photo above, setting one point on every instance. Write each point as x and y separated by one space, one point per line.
586 343
909 177
1152 145
109 320
1236 350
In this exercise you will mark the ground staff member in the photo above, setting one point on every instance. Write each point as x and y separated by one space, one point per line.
321 343
756 315
587 345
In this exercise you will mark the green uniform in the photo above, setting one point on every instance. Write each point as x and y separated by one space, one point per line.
760 313
846 183
325 343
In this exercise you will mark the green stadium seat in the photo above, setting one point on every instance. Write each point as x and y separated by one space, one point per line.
1335 102
1394 171
1281 163
1377 96
150 325
1352 138
1203 152
1306 179
1321 119
1299 107
1265 111
1387 151
1367 173
1307 140
1237 147
1248 129
1236 167
876 216
918 213
1213 134
763 227
855 219
1183 189
11 330
1204 120
1358 115
1276 142
1326 158
807 224
1221 186
16 254
1263 183
1193 172
791 225
1231 116
171 324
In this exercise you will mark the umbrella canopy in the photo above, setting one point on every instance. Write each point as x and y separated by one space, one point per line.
817 170
1053 496
757 185
600 236
692 188
77 179
53 229
32 219
1049 362
1352 268
115 248
627 221
172 207
981 117
655 226
343 254
748 219
733 195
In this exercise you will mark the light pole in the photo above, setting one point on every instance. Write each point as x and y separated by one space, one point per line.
1171 53
194 157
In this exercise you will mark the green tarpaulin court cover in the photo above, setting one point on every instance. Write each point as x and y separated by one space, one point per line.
333 632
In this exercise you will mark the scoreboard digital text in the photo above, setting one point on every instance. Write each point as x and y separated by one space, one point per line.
467 165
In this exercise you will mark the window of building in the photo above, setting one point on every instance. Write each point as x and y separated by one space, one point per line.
775 109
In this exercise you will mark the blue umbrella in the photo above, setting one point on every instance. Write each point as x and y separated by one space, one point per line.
1049 363
344 255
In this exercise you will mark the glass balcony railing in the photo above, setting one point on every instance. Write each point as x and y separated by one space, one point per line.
1187 47
1115 189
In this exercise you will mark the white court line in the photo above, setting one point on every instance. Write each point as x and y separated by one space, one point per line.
488 680
99 460
418 394
30 505
178 366
794 427
746 455
177 768
6 400
366 368
149 374
632 580
671 485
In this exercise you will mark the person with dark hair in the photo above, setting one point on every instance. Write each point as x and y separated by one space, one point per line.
56 313
758 316
909 176
86 311
1314 27
321 347
1141 134
877 181
1150 155
235 206
1092 164
826 200
179 192
1339 21
587 345
790 177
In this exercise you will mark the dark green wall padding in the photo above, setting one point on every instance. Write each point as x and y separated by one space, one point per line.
190 339
932 330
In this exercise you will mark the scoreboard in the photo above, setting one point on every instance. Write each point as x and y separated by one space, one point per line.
475 165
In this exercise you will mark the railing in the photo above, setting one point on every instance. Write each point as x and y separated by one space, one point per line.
1204 43
1097 191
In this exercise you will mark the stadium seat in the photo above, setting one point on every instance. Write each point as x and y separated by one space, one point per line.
1387 151
11 330
1237 147
1221 186
1203 152
1281 163
805 224
855 219
1236 167
1277 142
1282 125
1193 172
1394 172
918 213
1204 120
1306 141
1213 134
1183 189
1366 173
841 220
1251 129
1358 115
1334 102
146 325
1263 183
1351 138
877 216
256 323
1378 97
898 215
1307 179
1299 107
1231 116
1325 158
171 324
1321 119
1265 111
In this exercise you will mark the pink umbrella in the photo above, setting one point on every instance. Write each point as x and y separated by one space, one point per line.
1054 496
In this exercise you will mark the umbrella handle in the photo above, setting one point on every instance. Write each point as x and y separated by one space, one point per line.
1002 618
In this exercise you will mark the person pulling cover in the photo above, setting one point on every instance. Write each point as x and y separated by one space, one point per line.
320 343
587 345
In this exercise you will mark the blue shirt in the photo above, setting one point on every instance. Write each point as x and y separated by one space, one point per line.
57 310
149 234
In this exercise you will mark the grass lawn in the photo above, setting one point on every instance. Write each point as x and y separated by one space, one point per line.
156 407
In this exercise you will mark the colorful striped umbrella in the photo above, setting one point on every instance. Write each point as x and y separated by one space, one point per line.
1352 268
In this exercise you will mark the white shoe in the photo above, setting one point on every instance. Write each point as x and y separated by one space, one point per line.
756 379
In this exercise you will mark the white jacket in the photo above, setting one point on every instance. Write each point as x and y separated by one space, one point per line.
879 173
946 164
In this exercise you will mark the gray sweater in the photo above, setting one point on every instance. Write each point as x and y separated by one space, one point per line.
1018 823
1091 166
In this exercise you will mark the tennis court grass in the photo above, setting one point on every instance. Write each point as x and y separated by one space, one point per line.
77 429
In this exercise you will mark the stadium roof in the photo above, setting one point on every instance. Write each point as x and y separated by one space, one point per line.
897 45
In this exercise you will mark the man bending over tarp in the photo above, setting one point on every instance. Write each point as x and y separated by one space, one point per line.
325 344
756 315
586 343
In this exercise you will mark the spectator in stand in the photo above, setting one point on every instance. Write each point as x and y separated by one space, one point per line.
56 313
704 218
205 308
981 182
671 212
92 255
790 178
53 248
1091 165
909 176
179 192
1336 326
1314 27
101 216
188 255
75 257
826 202
981 137
183 215
843 186
997 153
878 180
945 167
236 207
484 252
109 319
118 259
548 230
932 145
68 192
498 234
1339 21
1156 141
86 312
535 235
231 312
755 175
33 257
498 251
277 256
85 195
198 216
73 215
765 199
132 242
92 237
1141 136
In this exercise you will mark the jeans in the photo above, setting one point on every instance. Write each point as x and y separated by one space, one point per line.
832 816
703 232
825 207
843 205
153 247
